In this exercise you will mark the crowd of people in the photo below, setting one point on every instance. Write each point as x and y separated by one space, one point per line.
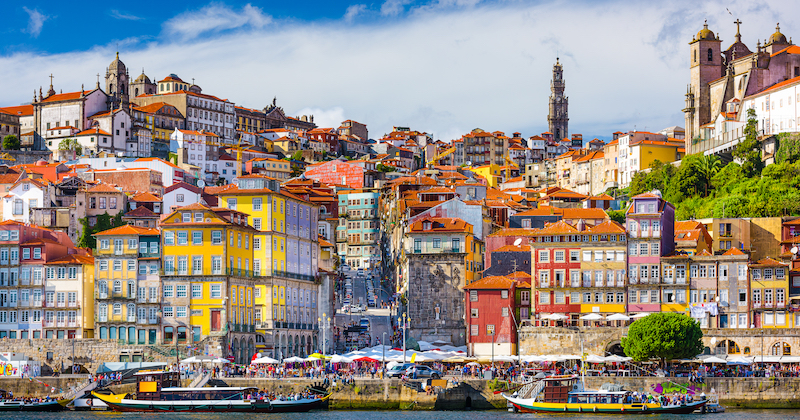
264 395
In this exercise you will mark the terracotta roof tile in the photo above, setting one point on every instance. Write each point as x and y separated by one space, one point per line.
491 282
128 230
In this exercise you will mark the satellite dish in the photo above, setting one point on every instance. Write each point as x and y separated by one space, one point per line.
794 250
201 183
518 241
713 340
469 163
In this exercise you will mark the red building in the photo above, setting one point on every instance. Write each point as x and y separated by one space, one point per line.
552 263
339 172
493 314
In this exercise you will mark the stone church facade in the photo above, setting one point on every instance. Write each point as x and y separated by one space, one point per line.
437 290
720 81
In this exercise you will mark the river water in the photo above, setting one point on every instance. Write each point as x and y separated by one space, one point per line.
392 415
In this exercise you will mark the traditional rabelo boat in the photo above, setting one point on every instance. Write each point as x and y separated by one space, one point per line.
8 404
566 394
161 392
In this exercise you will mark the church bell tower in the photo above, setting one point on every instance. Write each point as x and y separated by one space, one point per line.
558 116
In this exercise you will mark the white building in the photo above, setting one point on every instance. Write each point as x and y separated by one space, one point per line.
170 173
198 148
25 194
179 195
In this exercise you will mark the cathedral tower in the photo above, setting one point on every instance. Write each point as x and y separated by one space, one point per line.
706 65
558 116
117 83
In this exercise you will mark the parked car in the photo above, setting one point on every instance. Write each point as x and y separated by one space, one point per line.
355 308
398 370
364 322
424 372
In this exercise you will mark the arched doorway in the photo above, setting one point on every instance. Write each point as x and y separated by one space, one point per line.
615 348
727 347
303 346
234 349
289 347
780 349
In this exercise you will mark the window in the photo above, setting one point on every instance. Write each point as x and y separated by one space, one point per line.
216 291
544 298
183 237
473 312
573 256
169 238
504 294
216 237
544 256
168 291
168 313
559 256
232 203
131 265
473 295
197 237
257 204
180 311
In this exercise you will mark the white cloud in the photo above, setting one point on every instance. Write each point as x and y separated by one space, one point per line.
215 17
35 21
353 11
440 71
393 7
324 118
117 14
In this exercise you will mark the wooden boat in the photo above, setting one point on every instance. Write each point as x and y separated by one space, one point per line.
565 394
54 405
160 392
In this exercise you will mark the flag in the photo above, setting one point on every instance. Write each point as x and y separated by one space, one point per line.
413 357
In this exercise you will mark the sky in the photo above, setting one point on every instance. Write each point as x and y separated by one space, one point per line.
444 67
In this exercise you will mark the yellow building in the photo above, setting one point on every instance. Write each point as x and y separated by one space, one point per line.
285 261
493 173
769 293
208 279
128 284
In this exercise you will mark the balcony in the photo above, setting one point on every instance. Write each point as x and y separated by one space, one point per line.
61 324
633 280
102 295
141 299
295 276
73 305
123 295
668 280
36 304
72 324
142 321
153 300
575 284
152 321
24 303
102 319
238 272
442 250
48 324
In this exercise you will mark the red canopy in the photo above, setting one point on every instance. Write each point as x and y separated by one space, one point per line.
365 359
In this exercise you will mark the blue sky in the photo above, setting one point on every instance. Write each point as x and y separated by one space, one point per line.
440 66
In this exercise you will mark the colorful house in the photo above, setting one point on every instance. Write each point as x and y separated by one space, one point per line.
208 277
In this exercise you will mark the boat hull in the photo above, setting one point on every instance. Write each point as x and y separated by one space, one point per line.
529 406
47 406
232 406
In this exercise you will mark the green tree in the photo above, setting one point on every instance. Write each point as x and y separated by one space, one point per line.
638 184
748 151
298 155
708 166
687 181
665 336
296 171
788 148
11 142
103 222
71 145
617 216
385 168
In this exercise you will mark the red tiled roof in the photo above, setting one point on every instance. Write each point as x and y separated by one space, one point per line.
128 230
21 110
440 224
491 282
145 197
514 248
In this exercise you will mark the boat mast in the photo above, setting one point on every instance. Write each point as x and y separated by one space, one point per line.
583 369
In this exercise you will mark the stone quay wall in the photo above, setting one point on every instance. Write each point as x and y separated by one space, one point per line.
91 353
567 340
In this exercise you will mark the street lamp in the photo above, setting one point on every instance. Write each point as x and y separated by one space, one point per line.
383 348
324 324
406 320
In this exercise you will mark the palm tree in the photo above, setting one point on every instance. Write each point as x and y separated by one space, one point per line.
707 167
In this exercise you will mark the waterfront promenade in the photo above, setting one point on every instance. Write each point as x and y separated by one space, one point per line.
392 394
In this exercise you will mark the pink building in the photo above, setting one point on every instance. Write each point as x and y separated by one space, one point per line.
651 235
